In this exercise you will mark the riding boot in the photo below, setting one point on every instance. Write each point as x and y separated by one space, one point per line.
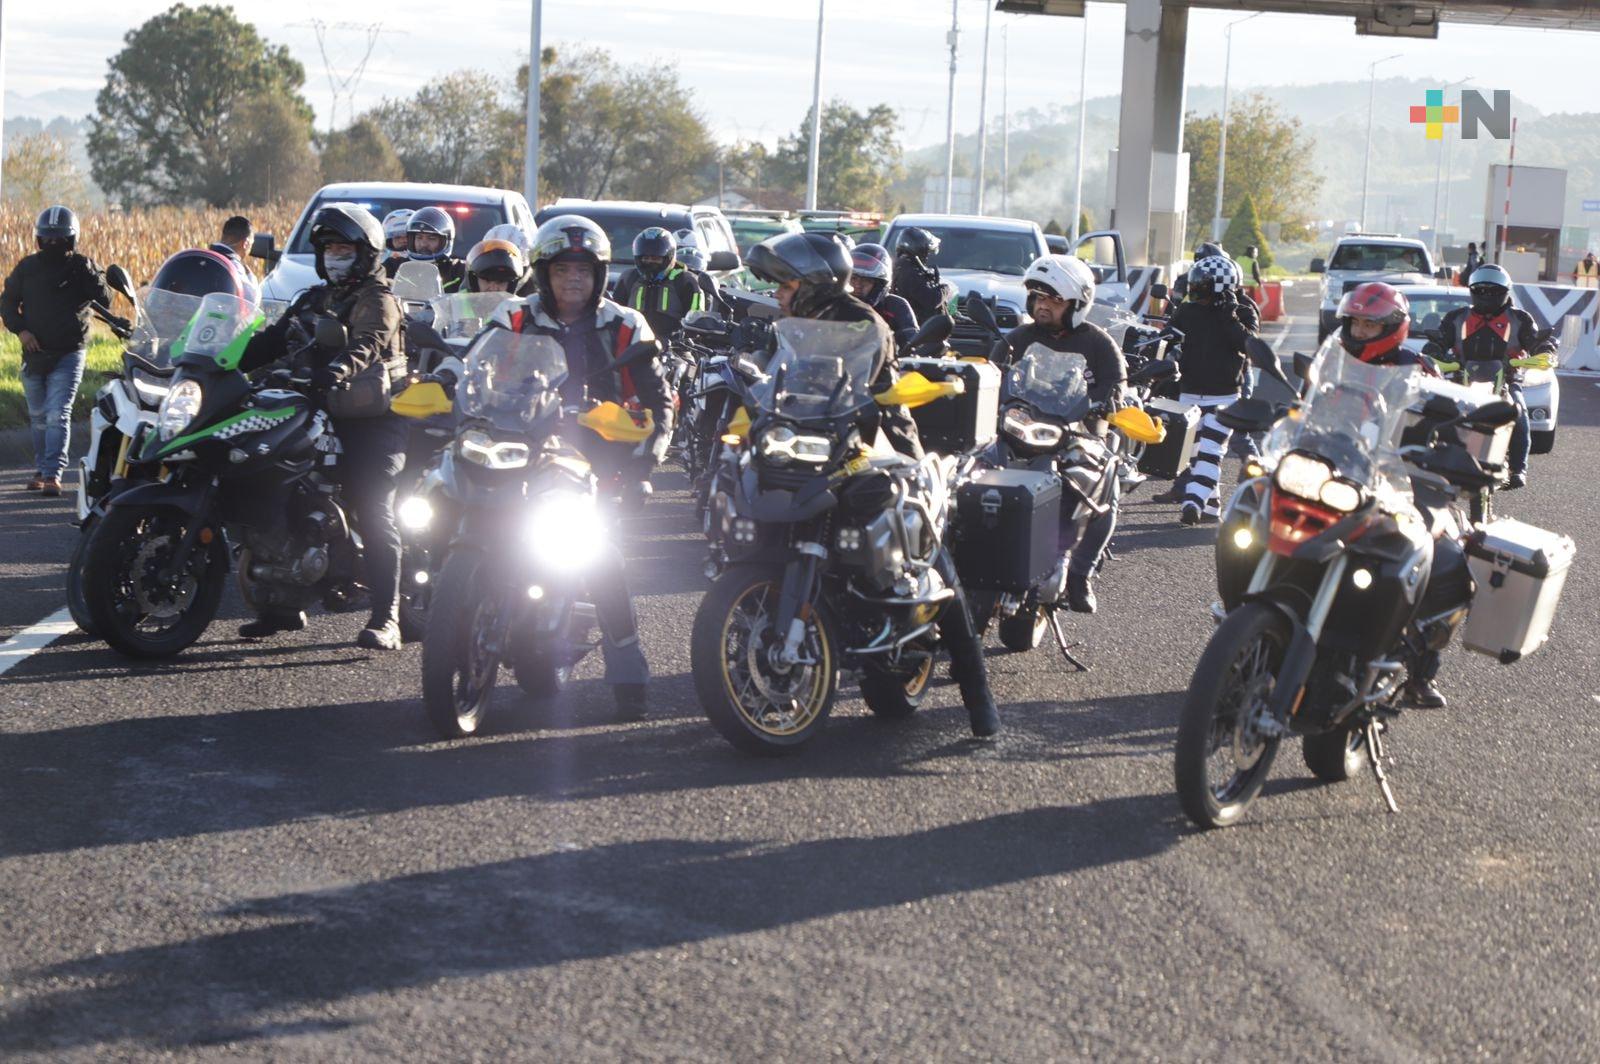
383 580
271 622
627 671
966 657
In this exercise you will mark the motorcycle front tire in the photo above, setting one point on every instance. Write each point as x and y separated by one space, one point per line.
77 605
113 533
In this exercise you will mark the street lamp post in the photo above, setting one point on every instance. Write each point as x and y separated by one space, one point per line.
816 115
1083 116
950 111
530 143
1372 96
983 107
1222 139
1438 175
1005 121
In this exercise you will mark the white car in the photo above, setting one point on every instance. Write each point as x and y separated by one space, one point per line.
1362 257
474 209
1541 389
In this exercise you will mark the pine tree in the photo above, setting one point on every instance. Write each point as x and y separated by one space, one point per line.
1244 232
1053 228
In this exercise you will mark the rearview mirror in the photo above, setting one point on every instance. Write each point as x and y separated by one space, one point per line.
977 308
705 323
723 262
262 247
331 334
119 281
1249 415
1319 266
1302 365
934 331
1158 291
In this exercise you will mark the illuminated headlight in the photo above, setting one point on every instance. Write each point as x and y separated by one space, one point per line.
1362 579
480 449
415 513
849 539
1340 495
1242 538
744 530
565 531
179 408
1303 475
782 444
1022 425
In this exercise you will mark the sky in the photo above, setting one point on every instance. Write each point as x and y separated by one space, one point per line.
749 63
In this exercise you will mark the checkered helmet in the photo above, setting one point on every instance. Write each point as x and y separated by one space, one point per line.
1214 275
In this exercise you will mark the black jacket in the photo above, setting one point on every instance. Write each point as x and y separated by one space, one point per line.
1495 338
1214 346
898 315
918 285
664 303
1108 370
371 314
48 294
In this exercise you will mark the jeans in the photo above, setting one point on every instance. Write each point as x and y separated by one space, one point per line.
1521 435
49 396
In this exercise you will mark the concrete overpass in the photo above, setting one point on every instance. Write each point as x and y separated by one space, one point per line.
1150 198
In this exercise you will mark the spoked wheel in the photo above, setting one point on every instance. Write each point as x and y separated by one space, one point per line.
1336 756
896 693
141 598
1024 629
1225 739
463 646
758 702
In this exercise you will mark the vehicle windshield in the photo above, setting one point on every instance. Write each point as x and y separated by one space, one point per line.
472 219
1390 258
823 369
1353 419
507 372
218 332
989 250
748 232
1055 383
416 282
1428 311
162 318
462 315
621 227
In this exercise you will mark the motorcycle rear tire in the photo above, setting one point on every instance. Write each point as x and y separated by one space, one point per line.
1335 756
1024 630
112 533
895 694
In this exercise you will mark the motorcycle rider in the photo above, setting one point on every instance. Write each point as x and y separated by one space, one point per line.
513 233
348 246
693 259
431 236
494 266
812 272
570 256
1060 293
1491 329
656 286
396 241
871 278
915 278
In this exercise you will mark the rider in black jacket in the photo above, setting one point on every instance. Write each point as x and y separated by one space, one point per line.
916 279
871 276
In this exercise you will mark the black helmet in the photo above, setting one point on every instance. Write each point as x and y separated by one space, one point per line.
197 272
435 221
1491 289
1208 250
659 247
56 223
495 260
872 261
570 236
818 261
917 243
348 223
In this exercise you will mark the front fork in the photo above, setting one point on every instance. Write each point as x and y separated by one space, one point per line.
795 597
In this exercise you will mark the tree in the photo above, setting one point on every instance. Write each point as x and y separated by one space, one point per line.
457 129
746 165
268 147
1053 228
159 133
1085 221
360 152
1244 233
858 159
39 171
1270 159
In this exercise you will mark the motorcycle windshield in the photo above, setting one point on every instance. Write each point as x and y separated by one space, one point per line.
416 282
218 332
1353 420
823 369
162 317
1055 383
462 315
508 373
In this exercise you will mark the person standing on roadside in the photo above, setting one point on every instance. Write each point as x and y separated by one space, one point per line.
1474 260
237 235
45 301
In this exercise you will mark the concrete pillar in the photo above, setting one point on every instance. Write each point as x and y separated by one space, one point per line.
1152 115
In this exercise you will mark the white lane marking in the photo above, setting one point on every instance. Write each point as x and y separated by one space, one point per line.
19 647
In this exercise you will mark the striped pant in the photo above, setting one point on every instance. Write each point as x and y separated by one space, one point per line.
1206 468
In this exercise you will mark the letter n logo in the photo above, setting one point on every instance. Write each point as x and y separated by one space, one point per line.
1476 112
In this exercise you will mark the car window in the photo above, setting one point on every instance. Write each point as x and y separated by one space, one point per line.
1428 311
1391 257
621 226
711 236
988 250
472 219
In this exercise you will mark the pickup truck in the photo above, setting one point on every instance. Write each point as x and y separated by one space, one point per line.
1362 257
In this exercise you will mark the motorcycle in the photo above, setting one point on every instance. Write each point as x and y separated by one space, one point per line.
1327 586
245 464
834 548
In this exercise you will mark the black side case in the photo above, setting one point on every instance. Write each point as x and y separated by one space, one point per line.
1006 528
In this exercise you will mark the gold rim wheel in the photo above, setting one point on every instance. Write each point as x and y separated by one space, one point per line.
774 700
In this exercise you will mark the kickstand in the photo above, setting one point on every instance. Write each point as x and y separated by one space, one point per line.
1061 639
1374 732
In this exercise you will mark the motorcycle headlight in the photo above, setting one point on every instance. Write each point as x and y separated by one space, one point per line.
1302 475
1021 425
179 408
781 444
565 531
415 513
482 449
1340 495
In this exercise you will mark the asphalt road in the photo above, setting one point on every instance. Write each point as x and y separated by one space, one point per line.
259 851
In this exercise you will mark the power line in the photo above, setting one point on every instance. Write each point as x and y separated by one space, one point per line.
344 85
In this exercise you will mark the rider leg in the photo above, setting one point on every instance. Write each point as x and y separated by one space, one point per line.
626 669
369 469
1200 493
1086 554
1521 437
962 640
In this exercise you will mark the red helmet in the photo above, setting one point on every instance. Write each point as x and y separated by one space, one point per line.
1379 302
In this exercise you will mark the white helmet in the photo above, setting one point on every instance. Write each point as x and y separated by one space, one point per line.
1064 277
394 225
512 233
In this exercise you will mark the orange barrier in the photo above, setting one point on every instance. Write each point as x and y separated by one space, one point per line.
1272 306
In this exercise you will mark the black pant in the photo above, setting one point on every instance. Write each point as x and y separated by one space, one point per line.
374 454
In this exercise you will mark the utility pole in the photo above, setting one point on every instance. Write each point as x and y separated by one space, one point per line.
950 111
1005 120
1366 169
816 115
530 144
1505 218
983 106
1083 117
346 84
1222 142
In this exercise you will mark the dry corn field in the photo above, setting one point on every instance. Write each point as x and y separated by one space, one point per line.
140 240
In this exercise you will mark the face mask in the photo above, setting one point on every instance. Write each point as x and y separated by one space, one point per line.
338 267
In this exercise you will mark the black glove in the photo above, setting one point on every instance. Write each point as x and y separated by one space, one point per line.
328 377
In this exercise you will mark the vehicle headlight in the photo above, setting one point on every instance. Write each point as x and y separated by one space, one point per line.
482 449
179 408
1302 475
781 444
566 531
415 513
1023 426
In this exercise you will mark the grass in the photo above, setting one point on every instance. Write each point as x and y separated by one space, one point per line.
105 361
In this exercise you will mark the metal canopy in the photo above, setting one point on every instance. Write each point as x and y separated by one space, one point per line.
1397 17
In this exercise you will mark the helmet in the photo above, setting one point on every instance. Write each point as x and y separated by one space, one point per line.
570 236
494 260
198 272
1208 250
434 220
917 243
56 223
347 223
1491 289
1213 275
1064 277
690 253
872 261
511 232
659 247
818 261
1384 304
846 239
394 228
